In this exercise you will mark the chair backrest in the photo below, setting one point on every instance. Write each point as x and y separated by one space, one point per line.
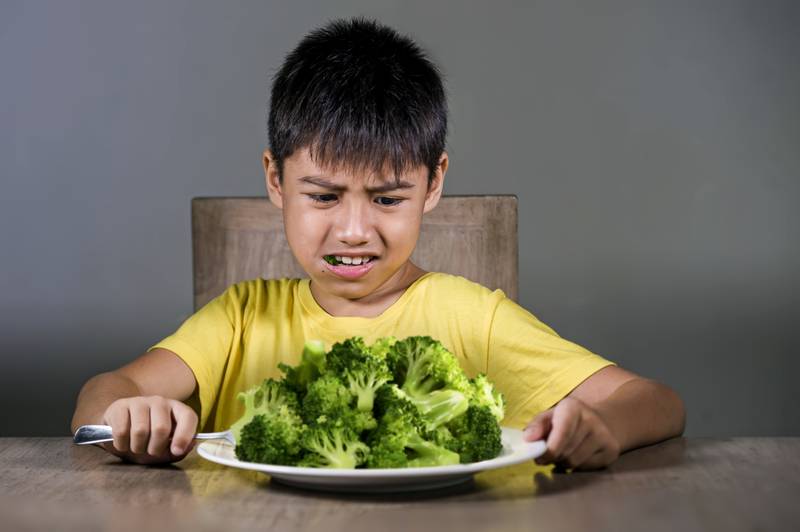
236 239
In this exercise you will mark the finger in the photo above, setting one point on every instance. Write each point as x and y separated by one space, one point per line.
118 418
582 431
565 421
160 428
607 453
539 427
140 427
588 447
185 427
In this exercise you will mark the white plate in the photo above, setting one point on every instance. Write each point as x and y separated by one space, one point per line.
515 451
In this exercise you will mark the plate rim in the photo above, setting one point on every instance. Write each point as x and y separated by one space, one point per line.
520 451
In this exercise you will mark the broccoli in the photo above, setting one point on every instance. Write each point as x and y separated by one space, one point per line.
476 435
363 369
431 377
262 399
382 346
394 403
333 442
312 364
272 438
324 396
484 393
397 442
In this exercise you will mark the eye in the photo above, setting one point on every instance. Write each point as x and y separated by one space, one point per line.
322 198
388 202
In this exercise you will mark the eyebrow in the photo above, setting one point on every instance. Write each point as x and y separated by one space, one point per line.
324 183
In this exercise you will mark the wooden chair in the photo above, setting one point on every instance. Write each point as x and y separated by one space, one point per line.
235 239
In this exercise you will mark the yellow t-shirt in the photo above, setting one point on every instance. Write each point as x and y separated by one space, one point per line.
238 339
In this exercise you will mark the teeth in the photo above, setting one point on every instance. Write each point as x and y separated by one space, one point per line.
355 261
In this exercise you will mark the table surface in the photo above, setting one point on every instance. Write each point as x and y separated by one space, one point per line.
681 484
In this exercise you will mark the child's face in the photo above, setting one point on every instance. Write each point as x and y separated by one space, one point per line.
339 214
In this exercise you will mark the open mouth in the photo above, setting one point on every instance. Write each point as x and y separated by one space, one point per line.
337 260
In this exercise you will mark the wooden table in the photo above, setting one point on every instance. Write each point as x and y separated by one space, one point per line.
681 484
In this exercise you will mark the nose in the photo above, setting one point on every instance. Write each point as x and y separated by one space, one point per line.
354 224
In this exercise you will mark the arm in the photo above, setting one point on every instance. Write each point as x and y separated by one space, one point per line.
611 412
143 403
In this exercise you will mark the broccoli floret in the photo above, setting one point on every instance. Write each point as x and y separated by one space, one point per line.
382 346
262 399
325 395
363 369
346 355
431 377
477 435
485 394
312 365
271 438
421 365
333 442
397 442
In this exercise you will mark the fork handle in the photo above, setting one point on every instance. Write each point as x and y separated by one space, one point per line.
91 434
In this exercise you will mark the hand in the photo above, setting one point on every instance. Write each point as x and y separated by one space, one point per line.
150 430
577 436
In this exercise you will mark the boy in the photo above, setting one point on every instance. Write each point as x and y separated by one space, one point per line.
357 128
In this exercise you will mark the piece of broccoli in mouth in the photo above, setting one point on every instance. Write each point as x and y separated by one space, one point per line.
330 259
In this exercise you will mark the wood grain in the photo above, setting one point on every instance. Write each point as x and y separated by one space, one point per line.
682 484
235 239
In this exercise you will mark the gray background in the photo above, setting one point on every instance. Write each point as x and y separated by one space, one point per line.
653 147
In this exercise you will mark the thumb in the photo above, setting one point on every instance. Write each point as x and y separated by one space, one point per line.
539 427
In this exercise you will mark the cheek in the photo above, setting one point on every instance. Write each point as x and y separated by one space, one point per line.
401 233
304 230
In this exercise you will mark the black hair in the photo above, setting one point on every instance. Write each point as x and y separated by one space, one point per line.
359 96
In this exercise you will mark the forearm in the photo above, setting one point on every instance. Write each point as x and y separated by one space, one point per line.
97 394
641 412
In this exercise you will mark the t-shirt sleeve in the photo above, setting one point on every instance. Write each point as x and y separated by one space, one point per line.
532 365
204 343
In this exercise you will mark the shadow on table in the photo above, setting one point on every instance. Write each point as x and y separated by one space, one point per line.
460 489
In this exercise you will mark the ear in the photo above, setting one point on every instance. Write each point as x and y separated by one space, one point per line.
436 185
274 187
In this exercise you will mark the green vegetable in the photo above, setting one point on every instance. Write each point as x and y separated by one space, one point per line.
272 438
476 435
363 369
397 442
334 442
265 398
395 403
431 377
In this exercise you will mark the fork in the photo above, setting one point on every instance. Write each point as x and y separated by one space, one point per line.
91 434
